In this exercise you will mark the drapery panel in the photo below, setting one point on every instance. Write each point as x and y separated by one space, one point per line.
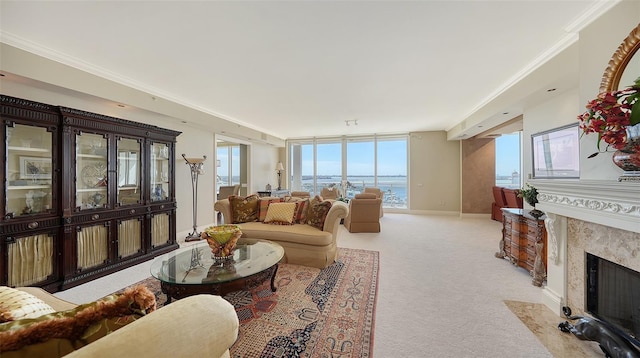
30 260
159 230
93 249
129 237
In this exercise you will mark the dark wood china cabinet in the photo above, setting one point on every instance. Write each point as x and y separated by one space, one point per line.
84 194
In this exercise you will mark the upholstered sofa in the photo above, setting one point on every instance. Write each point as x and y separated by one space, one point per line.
196 326
303 244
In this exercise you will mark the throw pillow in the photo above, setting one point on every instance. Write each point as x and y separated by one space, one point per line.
302 206
243 209
16 304
263 206
317 212
79 326
280 213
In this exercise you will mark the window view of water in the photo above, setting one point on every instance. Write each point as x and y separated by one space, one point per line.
393 187
508 161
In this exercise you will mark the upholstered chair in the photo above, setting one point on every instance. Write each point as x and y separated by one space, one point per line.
512 199
301 194
499 202
330 193
228 190
364 213
224 193
379 194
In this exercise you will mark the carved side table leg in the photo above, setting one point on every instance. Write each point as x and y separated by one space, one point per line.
501 254
539 272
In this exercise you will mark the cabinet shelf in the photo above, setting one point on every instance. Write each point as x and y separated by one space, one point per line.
92 156
89 190
28 149
28 187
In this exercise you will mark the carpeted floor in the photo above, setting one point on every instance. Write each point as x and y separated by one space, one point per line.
313 313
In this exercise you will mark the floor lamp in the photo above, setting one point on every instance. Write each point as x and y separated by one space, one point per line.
197 167
279 169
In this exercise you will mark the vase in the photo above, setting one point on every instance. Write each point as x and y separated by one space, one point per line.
628 159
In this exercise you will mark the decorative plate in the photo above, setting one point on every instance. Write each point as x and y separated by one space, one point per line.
94 175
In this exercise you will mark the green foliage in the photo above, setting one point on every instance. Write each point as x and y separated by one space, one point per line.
529 194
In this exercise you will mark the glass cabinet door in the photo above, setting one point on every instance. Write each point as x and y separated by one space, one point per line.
29 171
129 171
91 171
159 172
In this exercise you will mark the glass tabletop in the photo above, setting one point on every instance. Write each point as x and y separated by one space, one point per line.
195 264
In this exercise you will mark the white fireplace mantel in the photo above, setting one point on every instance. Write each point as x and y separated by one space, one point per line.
609 203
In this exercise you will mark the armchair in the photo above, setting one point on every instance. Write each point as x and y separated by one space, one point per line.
379 194
330 193
364 213
499 202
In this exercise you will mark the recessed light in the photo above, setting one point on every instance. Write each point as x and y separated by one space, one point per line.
551 89
505 112
121 105
1 74
480 126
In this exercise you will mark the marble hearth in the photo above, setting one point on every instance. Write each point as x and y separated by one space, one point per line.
599 217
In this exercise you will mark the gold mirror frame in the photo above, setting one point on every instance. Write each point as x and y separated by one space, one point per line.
618 63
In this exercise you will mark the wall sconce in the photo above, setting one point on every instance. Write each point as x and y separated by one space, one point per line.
349 122
279 169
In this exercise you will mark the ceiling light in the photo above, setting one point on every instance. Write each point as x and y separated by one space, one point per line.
551 89
349 122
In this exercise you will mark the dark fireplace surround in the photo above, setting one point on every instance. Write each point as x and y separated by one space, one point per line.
613 296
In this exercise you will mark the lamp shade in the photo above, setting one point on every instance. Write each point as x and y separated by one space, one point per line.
279 166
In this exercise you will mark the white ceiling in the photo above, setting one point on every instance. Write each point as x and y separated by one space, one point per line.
302 68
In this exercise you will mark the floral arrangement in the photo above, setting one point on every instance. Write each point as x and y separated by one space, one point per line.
529 194
222 239
615 116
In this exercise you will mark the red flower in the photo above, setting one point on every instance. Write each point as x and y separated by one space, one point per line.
609 115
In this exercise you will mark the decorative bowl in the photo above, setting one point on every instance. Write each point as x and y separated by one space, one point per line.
222 239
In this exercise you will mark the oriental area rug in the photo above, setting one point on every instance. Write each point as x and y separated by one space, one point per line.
313 313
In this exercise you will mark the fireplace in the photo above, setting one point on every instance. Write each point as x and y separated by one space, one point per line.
595 217
613 296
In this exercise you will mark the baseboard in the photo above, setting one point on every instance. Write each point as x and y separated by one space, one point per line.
552 300
475 216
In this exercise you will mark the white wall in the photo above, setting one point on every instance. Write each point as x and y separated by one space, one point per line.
434 172
598 42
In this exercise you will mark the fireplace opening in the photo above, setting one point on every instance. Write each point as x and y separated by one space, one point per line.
613 296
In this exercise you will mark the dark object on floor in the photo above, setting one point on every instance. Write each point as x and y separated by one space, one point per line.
590 329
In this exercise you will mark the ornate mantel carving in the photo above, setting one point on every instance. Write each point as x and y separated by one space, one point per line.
607 203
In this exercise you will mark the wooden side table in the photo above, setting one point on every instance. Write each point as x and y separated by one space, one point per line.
524 242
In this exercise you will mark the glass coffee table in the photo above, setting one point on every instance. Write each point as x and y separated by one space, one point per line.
192 270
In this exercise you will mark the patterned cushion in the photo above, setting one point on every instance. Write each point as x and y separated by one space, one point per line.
243 209
263 205
280 213
16 304
317 212
59 333
302 206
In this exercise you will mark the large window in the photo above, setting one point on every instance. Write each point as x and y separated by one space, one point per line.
508 168
350 165
228 163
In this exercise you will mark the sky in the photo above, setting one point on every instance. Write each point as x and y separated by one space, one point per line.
507 154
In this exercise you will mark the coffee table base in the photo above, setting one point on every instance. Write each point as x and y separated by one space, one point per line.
178 291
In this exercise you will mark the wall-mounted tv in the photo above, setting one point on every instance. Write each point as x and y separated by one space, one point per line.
556 153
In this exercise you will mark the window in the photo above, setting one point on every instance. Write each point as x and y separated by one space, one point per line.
351 164
508 172
229 168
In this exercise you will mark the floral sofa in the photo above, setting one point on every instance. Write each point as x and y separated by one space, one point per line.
38 324
307 229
